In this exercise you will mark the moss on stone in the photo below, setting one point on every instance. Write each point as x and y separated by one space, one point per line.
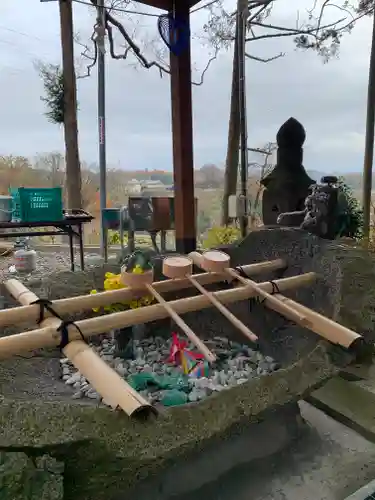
126 451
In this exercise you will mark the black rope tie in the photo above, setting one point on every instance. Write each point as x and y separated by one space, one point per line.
253 301
46 305
275 288
64 331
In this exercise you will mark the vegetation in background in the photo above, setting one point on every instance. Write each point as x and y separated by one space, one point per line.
351 215
224 235
53 84
48 170
61 101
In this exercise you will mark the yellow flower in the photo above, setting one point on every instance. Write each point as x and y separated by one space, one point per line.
95 309
113 282
137 269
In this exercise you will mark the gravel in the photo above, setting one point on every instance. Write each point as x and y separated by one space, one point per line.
46 263
237 363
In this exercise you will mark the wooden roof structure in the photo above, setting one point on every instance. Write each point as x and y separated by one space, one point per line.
182 132
167 4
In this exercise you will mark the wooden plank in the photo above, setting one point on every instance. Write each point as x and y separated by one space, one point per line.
165 4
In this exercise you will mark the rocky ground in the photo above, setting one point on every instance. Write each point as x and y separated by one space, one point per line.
47 262
149 371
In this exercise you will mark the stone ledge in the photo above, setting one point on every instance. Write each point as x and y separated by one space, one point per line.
351 403
107 453
274 433
365 493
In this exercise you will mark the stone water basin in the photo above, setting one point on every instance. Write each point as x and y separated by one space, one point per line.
102 454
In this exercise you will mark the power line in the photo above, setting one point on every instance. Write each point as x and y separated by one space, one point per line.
21 50
3 28
118 9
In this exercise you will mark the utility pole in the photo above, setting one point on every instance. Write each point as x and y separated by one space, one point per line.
369 142
73 167
241 33
100 41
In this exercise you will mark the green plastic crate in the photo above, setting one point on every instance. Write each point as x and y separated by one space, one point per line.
37 204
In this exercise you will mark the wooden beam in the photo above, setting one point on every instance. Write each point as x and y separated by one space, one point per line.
165 4
182 131
158 4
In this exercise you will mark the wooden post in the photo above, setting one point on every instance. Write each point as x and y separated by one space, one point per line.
182 130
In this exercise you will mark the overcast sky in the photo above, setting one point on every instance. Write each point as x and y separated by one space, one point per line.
329 99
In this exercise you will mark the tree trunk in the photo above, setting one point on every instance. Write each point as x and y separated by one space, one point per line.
231 163
73 167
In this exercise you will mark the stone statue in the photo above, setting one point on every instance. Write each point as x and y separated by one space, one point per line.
320 215
287 186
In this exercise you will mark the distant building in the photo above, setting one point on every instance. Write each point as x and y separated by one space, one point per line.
149 188
154 188
134 186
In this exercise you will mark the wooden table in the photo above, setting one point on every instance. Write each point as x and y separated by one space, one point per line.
70 225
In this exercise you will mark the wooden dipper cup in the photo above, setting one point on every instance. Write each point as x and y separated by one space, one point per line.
182 267
137 281
144 281
216 261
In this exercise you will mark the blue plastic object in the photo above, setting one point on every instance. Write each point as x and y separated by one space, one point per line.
174 32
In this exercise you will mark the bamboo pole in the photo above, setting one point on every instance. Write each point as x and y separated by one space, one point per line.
223 264
103 379
302 315
323 326
48 337
277 305
30 313
210 356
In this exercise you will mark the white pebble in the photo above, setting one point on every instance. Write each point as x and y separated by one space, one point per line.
242 381
92 394
121 370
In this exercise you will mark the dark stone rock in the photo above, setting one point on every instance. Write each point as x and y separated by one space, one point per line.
30 476
320 215
286 187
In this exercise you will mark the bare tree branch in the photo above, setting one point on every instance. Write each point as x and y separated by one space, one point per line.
86 54
311 34
264 60
132 47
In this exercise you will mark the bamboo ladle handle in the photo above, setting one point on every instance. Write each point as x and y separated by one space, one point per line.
210 356
181 267
216 261
224 311
277 305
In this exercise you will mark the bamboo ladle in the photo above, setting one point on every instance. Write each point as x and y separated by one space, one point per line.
218 262
144 281
181 267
